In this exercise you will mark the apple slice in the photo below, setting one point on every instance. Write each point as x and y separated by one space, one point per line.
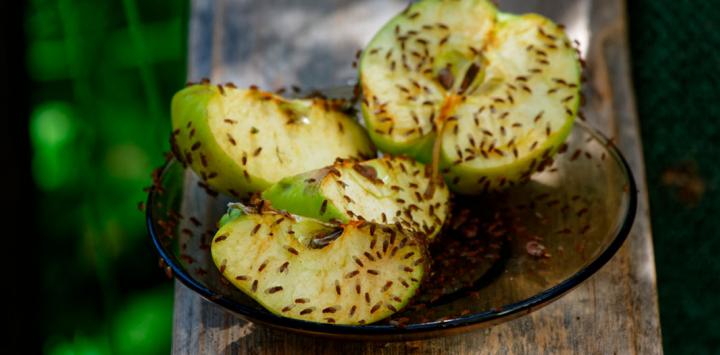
306 269
242 141
487 96
387 190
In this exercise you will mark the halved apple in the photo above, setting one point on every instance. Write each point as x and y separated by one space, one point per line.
489 97
387 190
242 141
301 268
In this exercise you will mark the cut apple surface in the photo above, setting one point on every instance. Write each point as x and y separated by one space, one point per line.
305 269
387 190
241 141
489 96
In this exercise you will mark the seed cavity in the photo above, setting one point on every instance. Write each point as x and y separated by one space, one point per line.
323 207
445 77
470 76
366 171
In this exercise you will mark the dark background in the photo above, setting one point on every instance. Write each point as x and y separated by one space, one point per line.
676 66
85 93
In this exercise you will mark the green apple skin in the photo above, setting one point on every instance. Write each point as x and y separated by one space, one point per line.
420 150
190 109
301 195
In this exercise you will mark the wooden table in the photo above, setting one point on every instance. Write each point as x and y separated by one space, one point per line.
284 42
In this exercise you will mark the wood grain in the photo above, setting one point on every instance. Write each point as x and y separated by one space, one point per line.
283 42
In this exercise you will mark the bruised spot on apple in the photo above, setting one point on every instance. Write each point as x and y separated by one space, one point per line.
486 97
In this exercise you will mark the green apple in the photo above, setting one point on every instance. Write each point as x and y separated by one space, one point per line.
488 97
241 141
302 268
387 190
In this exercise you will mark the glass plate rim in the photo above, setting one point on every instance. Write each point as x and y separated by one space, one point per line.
527 305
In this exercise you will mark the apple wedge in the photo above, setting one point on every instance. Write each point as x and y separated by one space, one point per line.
387 190
305 269
488 97
242 141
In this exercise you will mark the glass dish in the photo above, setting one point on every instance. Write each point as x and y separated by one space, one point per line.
535 242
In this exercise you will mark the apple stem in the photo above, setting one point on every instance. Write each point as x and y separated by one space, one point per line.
435 175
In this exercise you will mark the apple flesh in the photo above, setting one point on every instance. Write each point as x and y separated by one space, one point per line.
305 269
240 141
488 97
387 190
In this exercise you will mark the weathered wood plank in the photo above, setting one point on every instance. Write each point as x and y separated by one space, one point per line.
283 42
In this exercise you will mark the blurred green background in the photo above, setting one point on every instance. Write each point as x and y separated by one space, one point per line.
102 74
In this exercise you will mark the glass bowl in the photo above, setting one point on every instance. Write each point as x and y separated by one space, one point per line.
502 256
